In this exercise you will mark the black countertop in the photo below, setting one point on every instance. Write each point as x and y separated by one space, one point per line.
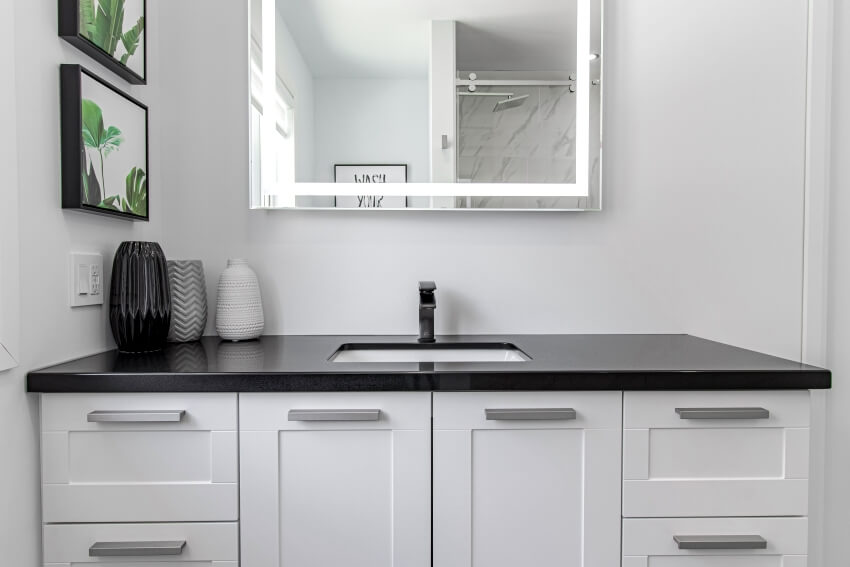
296 363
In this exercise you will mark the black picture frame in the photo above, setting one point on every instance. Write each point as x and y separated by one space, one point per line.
69 30
73 148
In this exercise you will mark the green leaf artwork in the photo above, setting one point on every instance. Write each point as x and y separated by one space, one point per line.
91 186
136 199
102 23
103 139
131 40
110 203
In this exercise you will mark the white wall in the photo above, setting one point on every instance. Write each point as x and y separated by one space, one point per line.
371 121
50 331
702 228
294 71
837 487
9 276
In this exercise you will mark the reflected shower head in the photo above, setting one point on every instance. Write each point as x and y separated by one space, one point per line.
511 102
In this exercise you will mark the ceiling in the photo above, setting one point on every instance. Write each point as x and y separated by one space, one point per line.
389 38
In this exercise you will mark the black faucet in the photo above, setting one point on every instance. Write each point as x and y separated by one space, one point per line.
427 304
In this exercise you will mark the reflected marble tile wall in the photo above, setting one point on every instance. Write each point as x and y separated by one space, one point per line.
533 143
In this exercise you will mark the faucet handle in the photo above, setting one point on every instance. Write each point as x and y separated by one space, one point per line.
427 287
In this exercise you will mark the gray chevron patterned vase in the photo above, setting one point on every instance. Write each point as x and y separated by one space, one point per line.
188 300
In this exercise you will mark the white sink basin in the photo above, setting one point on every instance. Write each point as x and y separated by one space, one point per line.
428 353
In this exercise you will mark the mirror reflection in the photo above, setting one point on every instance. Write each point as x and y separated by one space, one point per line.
463 104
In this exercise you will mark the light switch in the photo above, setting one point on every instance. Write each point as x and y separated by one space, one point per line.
83 277
86 279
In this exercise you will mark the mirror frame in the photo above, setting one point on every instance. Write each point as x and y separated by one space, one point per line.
583 195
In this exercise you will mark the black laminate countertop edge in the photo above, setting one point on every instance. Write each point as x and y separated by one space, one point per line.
297 363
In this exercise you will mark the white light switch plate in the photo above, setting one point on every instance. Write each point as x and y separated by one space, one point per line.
85 281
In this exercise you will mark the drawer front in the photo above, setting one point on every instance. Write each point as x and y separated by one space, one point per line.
688 454
527 410
298 411
202 545
715 542
139 457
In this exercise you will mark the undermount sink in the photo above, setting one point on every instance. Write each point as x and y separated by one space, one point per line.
429 352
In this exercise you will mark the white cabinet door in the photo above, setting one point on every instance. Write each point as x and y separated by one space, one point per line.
335 479
527 478
688 454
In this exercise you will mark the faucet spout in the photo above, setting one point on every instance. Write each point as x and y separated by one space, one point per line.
427 305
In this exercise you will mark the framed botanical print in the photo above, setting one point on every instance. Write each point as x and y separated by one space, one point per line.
104 147
370 174
112 32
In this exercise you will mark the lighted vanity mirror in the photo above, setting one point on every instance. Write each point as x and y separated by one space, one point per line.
426 104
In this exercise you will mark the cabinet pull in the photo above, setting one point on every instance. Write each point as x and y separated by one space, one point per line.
722 413
720 542
136 548
334 415
517 414
136 416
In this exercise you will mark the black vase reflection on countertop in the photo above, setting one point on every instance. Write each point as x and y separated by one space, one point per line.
139 299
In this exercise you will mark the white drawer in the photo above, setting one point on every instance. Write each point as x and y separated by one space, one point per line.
690 454
139 457
712 542
212 545
527 410
295 411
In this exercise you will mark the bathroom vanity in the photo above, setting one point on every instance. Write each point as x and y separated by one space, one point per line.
594 450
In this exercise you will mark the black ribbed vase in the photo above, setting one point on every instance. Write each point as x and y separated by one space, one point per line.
140 299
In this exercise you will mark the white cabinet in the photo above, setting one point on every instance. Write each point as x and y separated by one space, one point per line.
139 458
335 479
715 542
722 454
527 478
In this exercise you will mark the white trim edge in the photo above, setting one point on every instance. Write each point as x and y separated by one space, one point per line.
814 316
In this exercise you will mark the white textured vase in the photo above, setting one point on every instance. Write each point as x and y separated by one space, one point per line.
239 314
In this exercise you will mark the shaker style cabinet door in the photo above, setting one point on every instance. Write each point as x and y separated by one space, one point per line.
335 479
527 478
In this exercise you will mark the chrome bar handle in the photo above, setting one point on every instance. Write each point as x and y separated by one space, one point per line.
720 542
722 413
136 548
334 415
136 416
538 414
